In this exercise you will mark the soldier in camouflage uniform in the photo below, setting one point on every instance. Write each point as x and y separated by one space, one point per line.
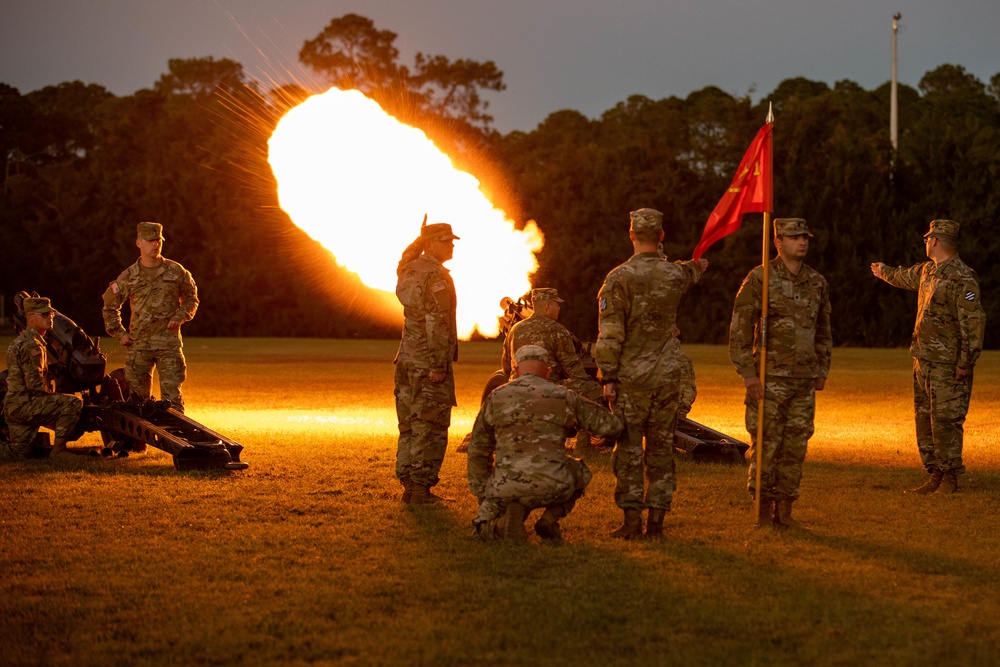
543 329
517 460
637 358
30 400
424 378
799 344
947 340
162 296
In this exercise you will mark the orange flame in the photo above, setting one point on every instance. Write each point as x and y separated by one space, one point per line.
358 181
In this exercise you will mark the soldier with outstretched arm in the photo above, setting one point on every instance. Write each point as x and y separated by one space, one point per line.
637 357
947 340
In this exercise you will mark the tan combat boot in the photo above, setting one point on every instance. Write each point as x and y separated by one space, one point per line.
931 485
59 447
654 523
768 515
511 525
632 528
547 526
421 495
783 516
949 483
407 491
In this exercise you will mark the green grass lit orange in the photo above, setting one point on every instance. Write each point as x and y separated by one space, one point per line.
307 557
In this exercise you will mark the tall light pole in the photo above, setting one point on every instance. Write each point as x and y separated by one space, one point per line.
893 106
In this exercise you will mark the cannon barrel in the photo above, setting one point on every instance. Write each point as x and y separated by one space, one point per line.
77 365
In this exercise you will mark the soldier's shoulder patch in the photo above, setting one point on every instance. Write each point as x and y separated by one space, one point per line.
970 296
114 287
35 351
438 286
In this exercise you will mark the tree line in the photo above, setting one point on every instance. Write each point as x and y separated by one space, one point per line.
82 166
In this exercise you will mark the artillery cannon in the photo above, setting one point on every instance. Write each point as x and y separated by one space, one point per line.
125 420
700 442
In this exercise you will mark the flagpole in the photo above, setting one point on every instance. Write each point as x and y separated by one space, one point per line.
763 368
765 264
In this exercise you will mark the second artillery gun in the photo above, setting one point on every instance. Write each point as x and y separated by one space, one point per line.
697 440
125 421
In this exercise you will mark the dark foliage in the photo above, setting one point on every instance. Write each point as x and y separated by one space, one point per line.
83 166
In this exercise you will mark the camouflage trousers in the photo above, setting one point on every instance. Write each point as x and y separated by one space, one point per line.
423 410
58 411
643 458
789 411
492 508
940 403
169 364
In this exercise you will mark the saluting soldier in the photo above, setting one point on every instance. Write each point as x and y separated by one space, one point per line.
424 377
947 340
543 329
517 459
799 344
31 401
638 362
162 296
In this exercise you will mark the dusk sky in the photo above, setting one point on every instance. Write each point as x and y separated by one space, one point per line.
585 55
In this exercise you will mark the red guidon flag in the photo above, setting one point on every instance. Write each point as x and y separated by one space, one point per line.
750 192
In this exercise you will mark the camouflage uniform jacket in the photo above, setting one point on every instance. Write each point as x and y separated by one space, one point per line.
170 294
554 337
951 321
427 292
799 337
26 369
518 442
637 346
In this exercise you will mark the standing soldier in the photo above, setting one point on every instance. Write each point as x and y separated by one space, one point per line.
544 330
799 343
424 379
637 357
30 400
517 460
162 296
946 343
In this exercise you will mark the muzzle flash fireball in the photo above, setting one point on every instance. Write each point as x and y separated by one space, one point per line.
359 182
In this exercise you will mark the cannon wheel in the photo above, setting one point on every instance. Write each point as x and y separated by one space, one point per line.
498 379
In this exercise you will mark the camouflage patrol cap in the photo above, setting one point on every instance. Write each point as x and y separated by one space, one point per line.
36 305
439 231
646 220
943 228
531 353
545 294
149 231
790 227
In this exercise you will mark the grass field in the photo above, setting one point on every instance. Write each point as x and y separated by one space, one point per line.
308 558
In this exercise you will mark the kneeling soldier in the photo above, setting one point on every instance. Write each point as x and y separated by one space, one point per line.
517 456
31 401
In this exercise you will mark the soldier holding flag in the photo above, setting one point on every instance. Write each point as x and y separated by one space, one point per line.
799 343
